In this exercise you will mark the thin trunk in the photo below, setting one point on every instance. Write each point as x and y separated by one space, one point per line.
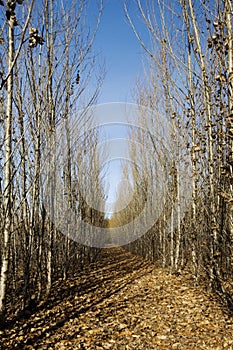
193 151
172 239
7 173
25 228
178 237
67 176
229 206
34 230
214 268
51 139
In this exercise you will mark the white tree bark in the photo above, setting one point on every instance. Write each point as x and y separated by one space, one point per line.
7 172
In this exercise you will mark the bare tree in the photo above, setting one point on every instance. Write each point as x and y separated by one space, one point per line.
47 84
197 96
7 192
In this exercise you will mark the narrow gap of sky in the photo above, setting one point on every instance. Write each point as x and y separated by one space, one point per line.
121 53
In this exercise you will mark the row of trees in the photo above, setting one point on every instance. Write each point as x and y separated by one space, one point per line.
49 165
49 73
189 84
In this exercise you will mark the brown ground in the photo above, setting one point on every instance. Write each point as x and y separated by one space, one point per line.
124 302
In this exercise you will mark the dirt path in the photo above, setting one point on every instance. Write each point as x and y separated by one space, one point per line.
124 302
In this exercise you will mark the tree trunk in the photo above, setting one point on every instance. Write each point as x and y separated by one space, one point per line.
7 174
229 205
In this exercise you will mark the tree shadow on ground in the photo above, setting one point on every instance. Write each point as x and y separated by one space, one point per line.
114 270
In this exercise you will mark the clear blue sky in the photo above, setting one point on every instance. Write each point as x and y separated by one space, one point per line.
122 54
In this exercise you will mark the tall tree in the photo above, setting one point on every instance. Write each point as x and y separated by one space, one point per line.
7 191
196 40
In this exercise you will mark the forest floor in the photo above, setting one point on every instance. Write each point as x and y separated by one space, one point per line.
123 302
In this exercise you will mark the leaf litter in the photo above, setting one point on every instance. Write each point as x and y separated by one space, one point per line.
123 302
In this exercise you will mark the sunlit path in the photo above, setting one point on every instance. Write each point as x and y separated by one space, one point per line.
124 302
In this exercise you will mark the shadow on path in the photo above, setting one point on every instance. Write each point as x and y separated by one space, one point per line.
114 270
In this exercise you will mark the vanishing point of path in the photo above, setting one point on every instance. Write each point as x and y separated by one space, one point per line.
123 302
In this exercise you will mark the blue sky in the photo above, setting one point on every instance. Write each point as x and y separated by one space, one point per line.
121 52
123 56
